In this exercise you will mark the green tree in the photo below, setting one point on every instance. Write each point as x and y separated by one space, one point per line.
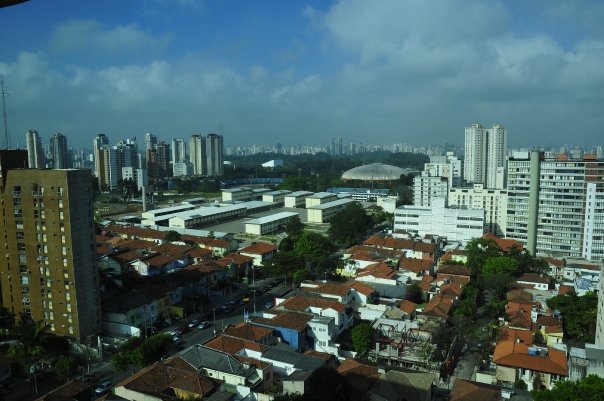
282 263
362 337
578 314
7 319
589 389
172 236
300 275
479 250
65 367
294 228
287 245
152 349
349 224
314 248
500 265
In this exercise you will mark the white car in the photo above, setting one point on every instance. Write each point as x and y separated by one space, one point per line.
203 325
268 305
103 387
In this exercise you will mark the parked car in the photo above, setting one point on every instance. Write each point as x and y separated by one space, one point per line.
268 305
203 325
103 387
226 309
193 323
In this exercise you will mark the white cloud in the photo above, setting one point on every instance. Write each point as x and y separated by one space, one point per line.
90 35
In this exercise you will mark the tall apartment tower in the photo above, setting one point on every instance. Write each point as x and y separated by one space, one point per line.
485 152
179 150
58 150
556 206
35 154
100 141
197 154
50 272
214 152
150 141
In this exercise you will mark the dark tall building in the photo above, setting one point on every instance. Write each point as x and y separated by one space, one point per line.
58 150
50 272
214 151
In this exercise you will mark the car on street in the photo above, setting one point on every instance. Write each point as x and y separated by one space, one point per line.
226 309
203 325
103 387
193 323
232 302
268 305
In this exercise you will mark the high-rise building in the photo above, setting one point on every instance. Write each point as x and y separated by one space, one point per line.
50 271
100 141
58 150
179 150
485 152
157 161
35 153
214 150
426 188
150 141
556 206
197 154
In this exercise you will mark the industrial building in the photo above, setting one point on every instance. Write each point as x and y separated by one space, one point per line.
296 199
268 224
320 198
323 212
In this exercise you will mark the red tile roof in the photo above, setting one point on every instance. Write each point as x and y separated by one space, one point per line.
510 352
360 376
259 248
248 332
360 287
505 244
330 288
439 306
464 390
378 270
565 289
291 320
534 278
233 345
415 265
456 270
303 304
407 306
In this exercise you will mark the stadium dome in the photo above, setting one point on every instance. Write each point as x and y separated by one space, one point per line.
374 172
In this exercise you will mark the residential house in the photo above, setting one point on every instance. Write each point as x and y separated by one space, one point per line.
319 306
534 280
505 244
250 332
517 358
338 291
127 313
378 273
362 294
74 390
361 377
289 327
465 390
259 252
415 385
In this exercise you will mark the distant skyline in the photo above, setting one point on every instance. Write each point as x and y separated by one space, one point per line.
267 72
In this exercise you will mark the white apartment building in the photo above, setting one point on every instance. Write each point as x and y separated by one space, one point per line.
485 155
268 224
236 194
494 202
426 188
319 198
448 166
456 224
556 206
275 196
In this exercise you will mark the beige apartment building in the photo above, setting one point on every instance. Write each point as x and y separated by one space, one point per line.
50 273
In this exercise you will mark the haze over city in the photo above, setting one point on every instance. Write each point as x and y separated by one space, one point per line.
303 72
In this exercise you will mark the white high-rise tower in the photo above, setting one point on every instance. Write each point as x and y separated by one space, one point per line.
35 154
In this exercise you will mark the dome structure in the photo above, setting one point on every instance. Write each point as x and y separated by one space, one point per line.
374 172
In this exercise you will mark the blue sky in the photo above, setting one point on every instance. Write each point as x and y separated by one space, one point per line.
294 72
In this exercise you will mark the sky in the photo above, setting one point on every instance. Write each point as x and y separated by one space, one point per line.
302 72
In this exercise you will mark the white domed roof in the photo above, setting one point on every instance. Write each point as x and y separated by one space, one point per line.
374 172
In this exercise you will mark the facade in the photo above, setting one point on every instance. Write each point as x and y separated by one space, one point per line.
599 339
100 141
319 198
35 153
277 197
449 166
50 274
58 150
268 224
197 154
214 152
296 199
556 206
323 212
426 187
485 151
456 224
493 201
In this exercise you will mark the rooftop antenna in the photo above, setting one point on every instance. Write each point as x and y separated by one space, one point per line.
6 135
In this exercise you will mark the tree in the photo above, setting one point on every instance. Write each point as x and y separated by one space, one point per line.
300 275
152 349
479 250
314 247
500 265
172 236
414 293
128 189
294 228
283 263
65 367
349 224
7 319
579 314
286 245
589 389
362 337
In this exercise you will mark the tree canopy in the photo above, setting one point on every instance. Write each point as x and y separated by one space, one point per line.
589 389
349 224
172 236
314 248
362 337
294 228
500 265
579 314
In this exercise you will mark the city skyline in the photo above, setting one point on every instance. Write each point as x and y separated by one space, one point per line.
262 73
